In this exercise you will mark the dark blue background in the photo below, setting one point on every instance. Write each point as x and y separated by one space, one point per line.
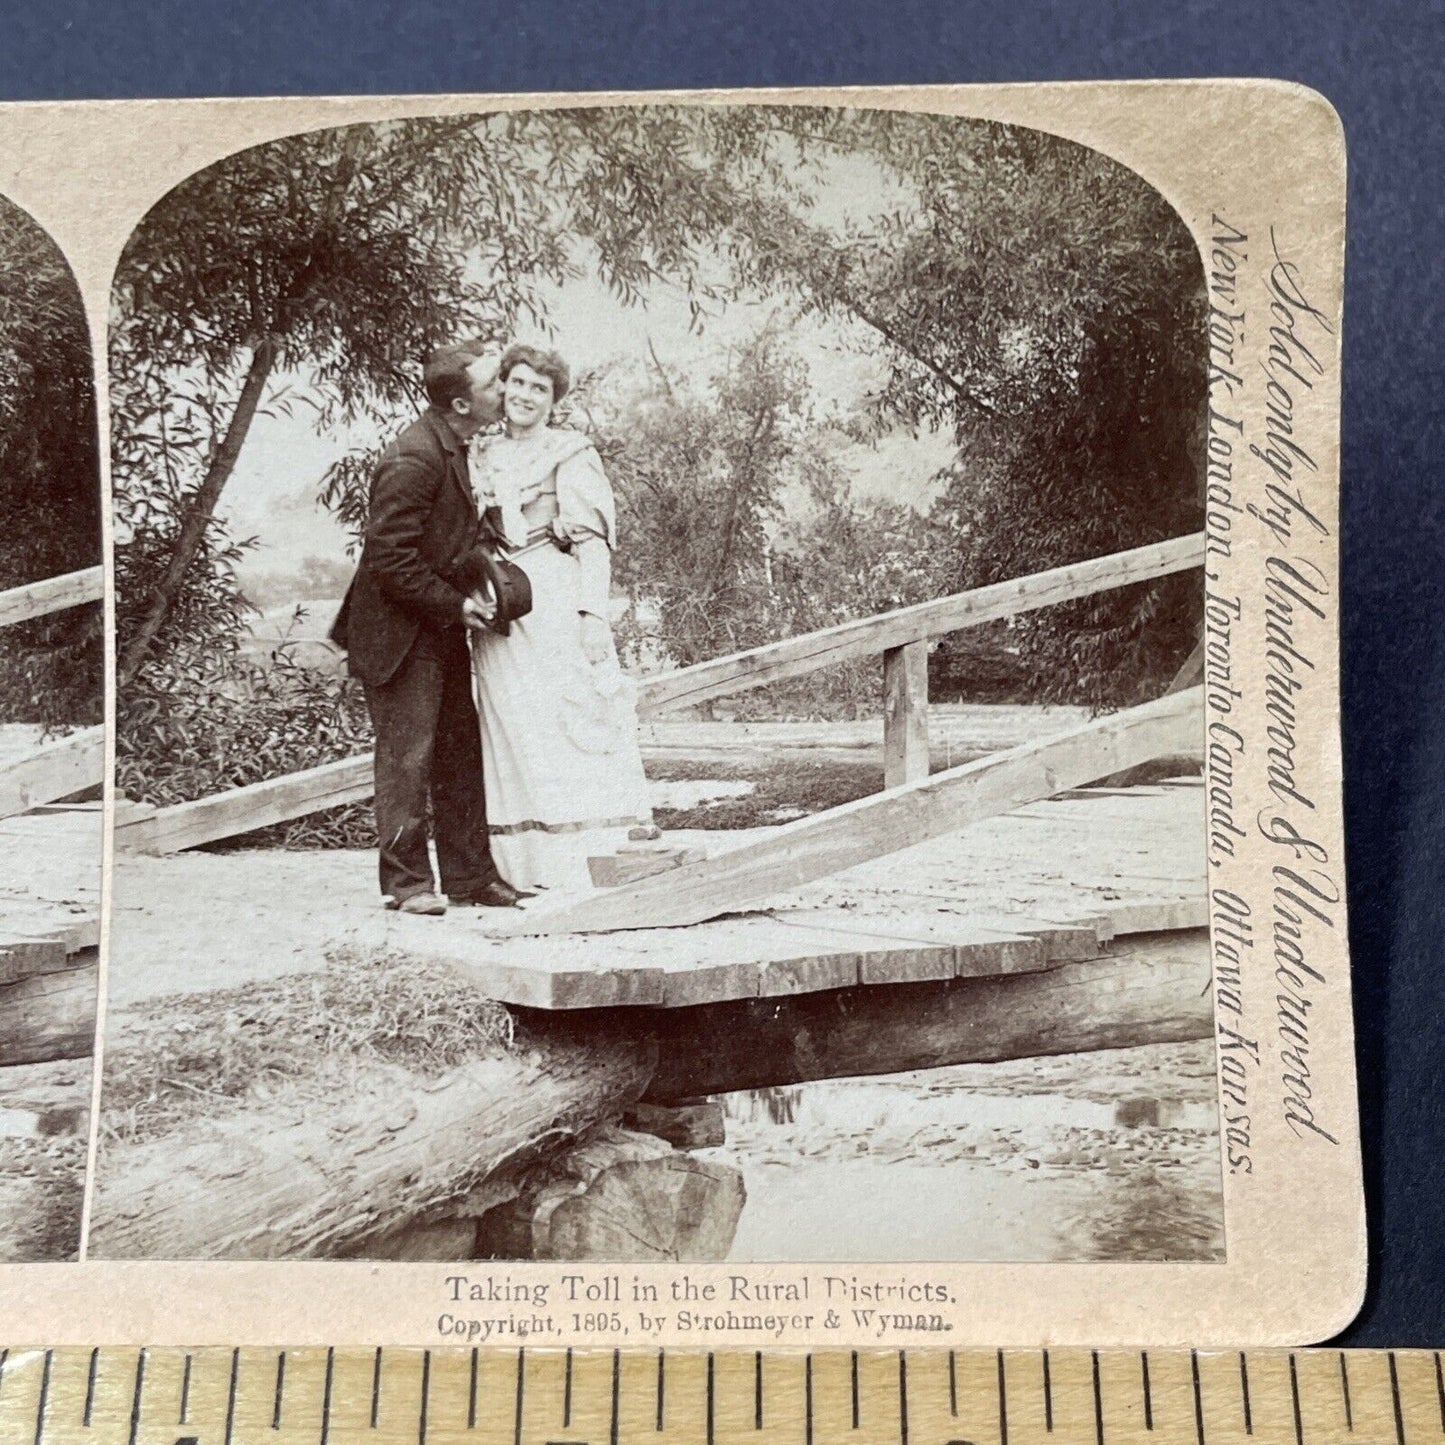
1377 65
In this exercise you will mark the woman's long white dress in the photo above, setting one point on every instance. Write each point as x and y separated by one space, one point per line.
560 756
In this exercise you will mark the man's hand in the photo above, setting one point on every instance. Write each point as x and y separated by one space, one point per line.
477 611
596 638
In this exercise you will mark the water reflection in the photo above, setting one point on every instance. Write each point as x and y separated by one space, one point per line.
1109 1156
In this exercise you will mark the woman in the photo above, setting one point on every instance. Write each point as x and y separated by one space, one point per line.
563 772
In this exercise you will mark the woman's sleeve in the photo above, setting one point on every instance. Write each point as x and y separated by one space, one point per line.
587 515
585 504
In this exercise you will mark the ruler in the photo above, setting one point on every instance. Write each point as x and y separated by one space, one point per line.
318 1396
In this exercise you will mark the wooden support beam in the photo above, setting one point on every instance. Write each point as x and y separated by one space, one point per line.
53 770
883 823
795 656
1191 671
905 714
54 594
1146 990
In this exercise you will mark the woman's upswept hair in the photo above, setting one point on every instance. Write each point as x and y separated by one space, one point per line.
547 363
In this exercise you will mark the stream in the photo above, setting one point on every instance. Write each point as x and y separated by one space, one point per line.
1107 1156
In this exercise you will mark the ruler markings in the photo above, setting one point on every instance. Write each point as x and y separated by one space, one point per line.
1244 1394
472 1393
1394 1399
808 1400
231 1395
326 1394
521 1391
903 1397
45 1399
90 1389
1098 1402
1002 1402
1304 1397
140 1377
616 1394
1198 1397
186 1393
280 1389
710 1398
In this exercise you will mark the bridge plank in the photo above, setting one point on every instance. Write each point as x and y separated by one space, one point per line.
882 823
53 770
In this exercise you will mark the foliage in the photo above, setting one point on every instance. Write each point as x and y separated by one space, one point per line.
298 1038
739 523
1031 297
50 669
1046 304
205 725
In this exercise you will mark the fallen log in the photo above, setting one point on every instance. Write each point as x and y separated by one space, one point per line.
318 1183
49 1014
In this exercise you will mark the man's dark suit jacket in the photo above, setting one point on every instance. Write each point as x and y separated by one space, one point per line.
422 521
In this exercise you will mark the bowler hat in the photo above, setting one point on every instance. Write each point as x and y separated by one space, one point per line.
481 570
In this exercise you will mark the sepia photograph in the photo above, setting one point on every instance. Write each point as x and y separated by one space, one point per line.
659 710
52 643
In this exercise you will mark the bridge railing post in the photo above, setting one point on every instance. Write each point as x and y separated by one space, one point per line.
905 713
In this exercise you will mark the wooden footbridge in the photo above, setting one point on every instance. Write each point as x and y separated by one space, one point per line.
1000 909
732 926
50 867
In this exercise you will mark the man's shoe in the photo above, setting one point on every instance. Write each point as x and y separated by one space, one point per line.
496 894
430 905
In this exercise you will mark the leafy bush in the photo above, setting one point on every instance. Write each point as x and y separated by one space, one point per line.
51 669
190 728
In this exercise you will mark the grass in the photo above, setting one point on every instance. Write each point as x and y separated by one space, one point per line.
783 787
787 787
291 1040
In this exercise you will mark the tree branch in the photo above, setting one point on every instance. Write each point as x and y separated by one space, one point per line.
199 514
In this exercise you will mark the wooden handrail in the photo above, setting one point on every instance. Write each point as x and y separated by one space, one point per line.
882 823
349 780
54 770
54 594
795 656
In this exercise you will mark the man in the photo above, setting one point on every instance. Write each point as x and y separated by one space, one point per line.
404 624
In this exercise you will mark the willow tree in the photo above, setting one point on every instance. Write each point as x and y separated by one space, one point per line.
1046 305
334 260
